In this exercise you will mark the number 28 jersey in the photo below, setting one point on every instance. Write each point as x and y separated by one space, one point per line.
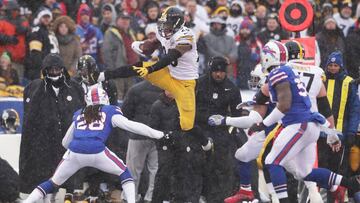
300 104
185 67
91 138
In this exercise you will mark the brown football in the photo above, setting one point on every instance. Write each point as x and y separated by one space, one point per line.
149 46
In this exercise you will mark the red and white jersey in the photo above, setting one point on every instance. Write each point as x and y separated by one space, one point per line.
186 67
311 76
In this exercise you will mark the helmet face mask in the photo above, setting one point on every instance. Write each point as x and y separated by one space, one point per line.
171 20
257 78
295 50
85 66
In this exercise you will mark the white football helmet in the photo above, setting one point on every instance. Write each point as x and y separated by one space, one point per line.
257 78
273 54
96 95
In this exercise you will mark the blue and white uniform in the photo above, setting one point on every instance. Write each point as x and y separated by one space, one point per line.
86 148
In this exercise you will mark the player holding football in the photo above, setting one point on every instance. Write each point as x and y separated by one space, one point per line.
176 71
85 141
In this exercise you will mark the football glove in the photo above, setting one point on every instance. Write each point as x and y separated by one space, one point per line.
216 120
334 142
257 127
141 71
168 139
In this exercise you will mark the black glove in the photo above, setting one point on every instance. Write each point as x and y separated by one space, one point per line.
257 127
168 139
198 135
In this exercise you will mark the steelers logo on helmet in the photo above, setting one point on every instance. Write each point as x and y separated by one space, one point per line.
295 50
171 20
296 15
85 66
10 120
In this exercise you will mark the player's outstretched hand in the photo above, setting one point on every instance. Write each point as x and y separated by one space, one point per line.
334 142
216 120
257 127
141 71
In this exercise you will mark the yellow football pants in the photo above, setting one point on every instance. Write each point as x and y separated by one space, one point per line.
267 141
182 90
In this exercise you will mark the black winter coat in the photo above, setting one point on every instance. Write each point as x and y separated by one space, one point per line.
329 42
352 54
137 103
164 114
215 98
46 120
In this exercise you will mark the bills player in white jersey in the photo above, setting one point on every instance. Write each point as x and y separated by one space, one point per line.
85 141
175 72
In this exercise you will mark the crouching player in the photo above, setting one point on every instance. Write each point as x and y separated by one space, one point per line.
85 140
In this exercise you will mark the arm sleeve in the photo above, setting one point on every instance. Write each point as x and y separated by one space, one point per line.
68 136
135 127
244 121
166 60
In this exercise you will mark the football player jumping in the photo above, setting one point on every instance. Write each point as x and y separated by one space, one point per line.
176 71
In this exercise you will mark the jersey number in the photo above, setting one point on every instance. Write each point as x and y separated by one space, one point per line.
301 87
96 125
309 77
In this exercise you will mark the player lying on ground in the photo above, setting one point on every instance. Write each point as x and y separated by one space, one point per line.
85 141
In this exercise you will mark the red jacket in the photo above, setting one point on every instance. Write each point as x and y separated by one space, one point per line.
18 50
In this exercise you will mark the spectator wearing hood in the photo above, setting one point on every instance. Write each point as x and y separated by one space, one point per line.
91 38
69 44
345 104
248 52
272 31
352 54
108 15
40 42
218 43
330 39
343 18
13 29
152 12
49 104
235 18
